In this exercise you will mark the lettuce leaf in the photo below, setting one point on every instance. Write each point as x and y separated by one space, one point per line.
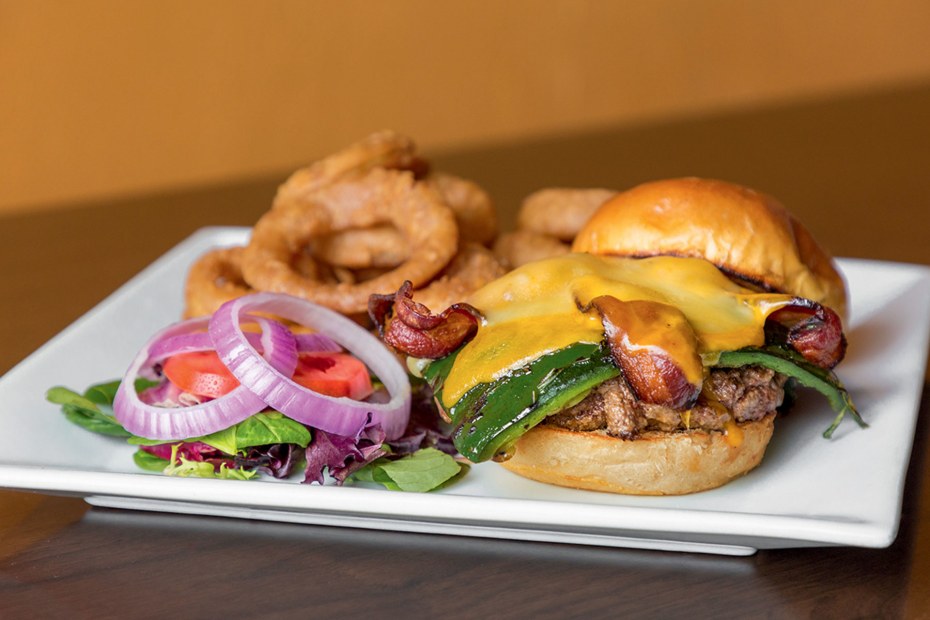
93 410
180 466
85 410
278 460
422 471
149 462
261 429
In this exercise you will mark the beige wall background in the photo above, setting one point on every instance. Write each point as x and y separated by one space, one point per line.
104 98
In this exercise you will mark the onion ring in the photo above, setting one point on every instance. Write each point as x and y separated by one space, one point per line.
385 149
473 208
473 267
385 247
560 212
380 246
214 279
519 247
376 197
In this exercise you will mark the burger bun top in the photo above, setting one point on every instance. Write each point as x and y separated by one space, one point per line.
748 235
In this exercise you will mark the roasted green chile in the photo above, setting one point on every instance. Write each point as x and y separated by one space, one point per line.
490 417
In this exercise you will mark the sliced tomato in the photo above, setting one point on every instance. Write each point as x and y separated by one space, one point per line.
333 374
201 373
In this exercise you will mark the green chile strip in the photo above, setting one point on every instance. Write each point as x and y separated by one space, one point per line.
491 416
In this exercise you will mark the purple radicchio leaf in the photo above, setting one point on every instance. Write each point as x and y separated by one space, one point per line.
277 459
190 450
425 428
342 455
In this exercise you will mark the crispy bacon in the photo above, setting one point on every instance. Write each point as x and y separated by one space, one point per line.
412 329
651 342
814 331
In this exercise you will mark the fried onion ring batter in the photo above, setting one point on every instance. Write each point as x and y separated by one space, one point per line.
519 247
473 267
356 201
381 246
384 246
474 210
214 279
560 212
384 149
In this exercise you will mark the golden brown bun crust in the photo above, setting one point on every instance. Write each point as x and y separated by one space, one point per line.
656 463
744 232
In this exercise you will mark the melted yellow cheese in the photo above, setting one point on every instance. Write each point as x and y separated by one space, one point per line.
734 434
539 308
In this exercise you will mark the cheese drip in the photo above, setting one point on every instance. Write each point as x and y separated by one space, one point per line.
537 309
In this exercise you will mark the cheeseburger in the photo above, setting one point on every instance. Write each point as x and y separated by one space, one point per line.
653 359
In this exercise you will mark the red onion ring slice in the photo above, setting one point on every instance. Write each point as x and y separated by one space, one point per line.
341 416
201 341
169 424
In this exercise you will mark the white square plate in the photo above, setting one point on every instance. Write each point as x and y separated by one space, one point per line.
809 491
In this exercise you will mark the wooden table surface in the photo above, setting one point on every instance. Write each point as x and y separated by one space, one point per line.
856 169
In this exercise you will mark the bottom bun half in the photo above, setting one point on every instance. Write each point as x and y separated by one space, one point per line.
655 463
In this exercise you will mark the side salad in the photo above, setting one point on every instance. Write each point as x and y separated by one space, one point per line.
239 395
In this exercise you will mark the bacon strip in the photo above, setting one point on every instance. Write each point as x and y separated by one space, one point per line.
412 329
652 343
814 331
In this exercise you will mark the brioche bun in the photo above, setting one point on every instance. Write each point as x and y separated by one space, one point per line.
655 463
746 233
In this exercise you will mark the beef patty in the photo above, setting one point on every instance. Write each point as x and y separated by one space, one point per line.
742 394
